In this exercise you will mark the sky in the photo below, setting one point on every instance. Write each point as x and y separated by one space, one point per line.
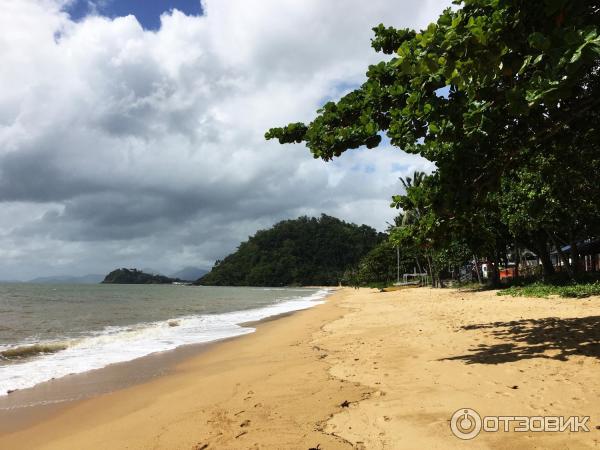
132 131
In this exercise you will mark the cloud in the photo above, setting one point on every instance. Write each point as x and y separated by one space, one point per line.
121 146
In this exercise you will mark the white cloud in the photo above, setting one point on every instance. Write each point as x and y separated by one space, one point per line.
120 146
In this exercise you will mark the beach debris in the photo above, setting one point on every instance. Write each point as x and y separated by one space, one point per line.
514 387
245 423
10 391
239 412
345 404
241 434
173 323
318 447
201 447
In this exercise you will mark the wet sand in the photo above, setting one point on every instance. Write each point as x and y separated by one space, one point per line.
365 370
26 407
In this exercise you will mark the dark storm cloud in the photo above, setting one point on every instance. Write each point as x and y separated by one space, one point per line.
35 177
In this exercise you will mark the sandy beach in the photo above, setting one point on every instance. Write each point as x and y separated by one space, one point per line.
364 370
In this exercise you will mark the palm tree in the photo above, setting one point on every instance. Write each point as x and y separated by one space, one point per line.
416 180
398 220
412 216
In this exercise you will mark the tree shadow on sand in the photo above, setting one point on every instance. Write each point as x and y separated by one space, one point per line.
549 338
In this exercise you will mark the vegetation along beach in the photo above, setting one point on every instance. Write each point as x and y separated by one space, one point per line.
316 225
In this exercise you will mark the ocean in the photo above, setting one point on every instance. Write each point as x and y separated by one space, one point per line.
49 331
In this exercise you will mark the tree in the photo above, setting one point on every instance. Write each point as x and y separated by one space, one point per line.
416 180
412 215
491 92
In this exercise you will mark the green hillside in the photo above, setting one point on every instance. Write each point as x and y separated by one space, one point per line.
304 251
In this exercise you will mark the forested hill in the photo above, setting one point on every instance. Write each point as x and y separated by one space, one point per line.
305 251
134 276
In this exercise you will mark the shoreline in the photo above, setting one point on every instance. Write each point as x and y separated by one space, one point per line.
23 408
363 370
131 327
38 429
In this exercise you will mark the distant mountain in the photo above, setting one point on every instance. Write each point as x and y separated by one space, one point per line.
66 279
189 273
305 251
134 276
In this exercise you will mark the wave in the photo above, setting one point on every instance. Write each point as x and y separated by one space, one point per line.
38 362
28 351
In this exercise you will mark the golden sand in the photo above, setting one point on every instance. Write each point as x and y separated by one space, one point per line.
365 370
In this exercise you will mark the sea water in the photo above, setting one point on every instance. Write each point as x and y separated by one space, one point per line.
49 331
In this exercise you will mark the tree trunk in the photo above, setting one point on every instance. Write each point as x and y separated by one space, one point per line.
574 255
562 255
477 269
430 269
517 257
546 262
495 273
436 275
418 265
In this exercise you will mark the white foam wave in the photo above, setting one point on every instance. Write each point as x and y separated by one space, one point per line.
119 344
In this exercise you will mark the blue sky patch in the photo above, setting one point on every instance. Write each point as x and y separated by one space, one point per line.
338 90
366 168
147 12
400 167
443 92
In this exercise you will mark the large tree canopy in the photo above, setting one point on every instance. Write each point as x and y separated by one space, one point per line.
503 96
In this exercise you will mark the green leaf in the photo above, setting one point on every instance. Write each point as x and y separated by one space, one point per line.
539 41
